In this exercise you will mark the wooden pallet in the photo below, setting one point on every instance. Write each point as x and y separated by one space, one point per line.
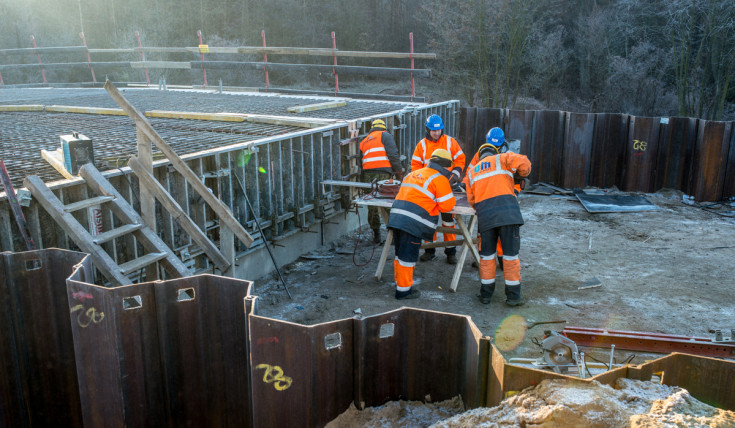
132 223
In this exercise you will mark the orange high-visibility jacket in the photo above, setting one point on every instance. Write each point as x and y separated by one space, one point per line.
425 148
375 152
474 161
490 189
423 194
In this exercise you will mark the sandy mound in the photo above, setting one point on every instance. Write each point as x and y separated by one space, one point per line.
556 403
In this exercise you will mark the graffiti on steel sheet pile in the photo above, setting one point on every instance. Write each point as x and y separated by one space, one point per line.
639 146
81 296
274 375
87 317
263 340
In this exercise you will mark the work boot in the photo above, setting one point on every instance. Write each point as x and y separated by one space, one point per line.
377 240
451 259
427 256
486 292
413 293
513 295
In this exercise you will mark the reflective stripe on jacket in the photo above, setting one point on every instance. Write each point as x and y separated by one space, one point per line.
373 152
490 189
423 195
425 148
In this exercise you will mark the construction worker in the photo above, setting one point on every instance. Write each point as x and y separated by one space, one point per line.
495 137
490 190
424 193
436 139
380 160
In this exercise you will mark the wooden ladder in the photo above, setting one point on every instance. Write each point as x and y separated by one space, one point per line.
132 223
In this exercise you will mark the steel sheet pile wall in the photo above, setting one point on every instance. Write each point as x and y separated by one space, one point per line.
38 377
170 353
194 352
642 154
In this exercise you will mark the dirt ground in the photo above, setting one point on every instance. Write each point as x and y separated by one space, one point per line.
666 271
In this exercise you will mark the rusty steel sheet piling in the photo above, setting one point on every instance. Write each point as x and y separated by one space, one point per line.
38 380
608 149
673 167
578 132
710 162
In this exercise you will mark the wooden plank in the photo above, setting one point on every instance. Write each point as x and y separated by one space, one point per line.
147 202
183 65
318 106
76 206
86 110
303 122
56 159
150 183
386 247
79 234
390 72
222 117
141 262
116 233
218 207
127 214
259 50
30 107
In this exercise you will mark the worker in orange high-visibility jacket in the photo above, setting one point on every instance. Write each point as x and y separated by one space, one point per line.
490 190
495 137
436 139
380 160
424 193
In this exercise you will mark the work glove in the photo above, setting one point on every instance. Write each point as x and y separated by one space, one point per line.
399 175
453 180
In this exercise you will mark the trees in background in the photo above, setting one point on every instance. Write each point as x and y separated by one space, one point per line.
644 57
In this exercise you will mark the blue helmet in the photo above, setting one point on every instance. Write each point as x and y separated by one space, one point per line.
434 122
496 137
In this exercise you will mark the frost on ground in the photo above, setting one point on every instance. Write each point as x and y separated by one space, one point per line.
555 403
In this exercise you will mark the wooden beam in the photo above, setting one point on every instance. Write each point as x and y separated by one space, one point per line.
222 117
56 159
318 106
222 211
302 122
152 185
184 65
341 69
147 203
31 107
86 110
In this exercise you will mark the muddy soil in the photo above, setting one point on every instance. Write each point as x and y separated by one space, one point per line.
667 271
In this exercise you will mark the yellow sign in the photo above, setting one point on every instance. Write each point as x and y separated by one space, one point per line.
203 48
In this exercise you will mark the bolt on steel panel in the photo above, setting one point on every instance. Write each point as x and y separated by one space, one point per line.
641 154
608 149
578 132
38 379
710 164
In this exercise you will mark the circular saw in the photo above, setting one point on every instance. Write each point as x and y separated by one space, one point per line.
559 352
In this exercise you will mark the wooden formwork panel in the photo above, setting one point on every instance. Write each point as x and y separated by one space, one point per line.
38 378
641 154
710 163
578 132
675 155
608 149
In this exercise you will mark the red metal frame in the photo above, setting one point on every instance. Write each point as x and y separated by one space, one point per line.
265 61
334 55
40 64
648 342
142 58
89 59
204 70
